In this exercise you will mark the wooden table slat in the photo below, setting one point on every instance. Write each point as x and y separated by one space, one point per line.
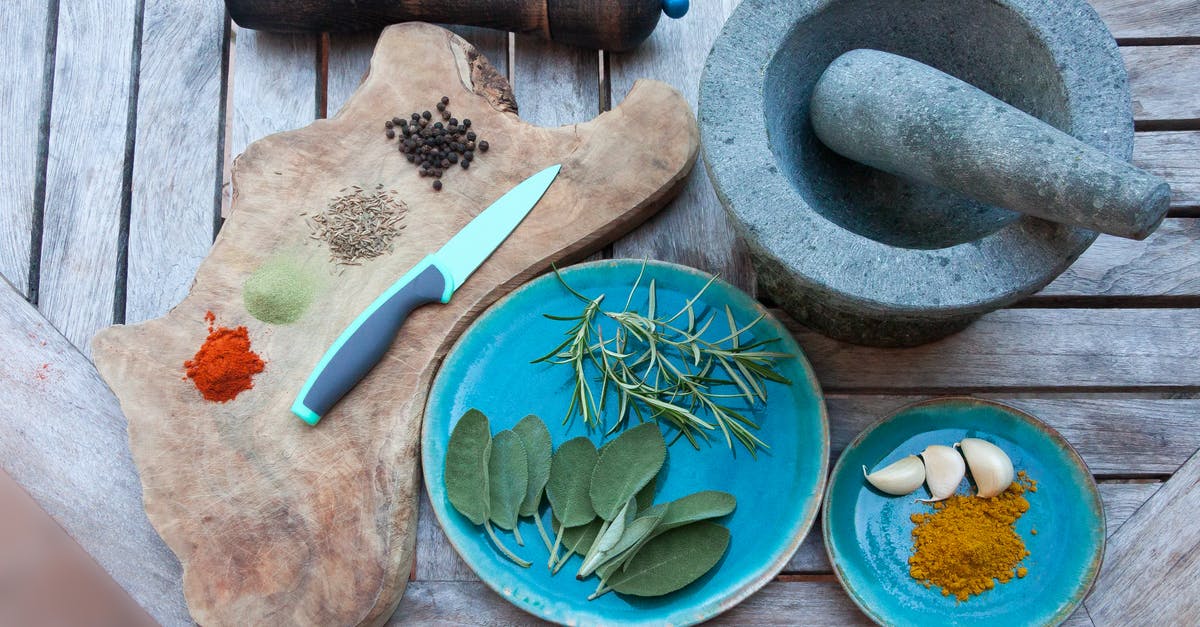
1160 19
1165 264
85 172
177 158
1034 349
692 230
64 441
1151 566
1163 82
555 84
273 85
22 73
1175 156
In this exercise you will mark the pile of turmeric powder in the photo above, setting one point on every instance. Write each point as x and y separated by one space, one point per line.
967 543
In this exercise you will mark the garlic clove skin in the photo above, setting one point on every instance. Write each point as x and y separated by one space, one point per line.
990 466
898 478
944 470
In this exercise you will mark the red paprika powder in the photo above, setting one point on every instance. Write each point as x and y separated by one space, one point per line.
224 366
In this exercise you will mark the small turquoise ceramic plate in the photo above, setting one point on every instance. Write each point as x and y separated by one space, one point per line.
778 493
868 533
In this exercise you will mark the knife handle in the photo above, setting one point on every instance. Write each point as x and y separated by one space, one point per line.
364 343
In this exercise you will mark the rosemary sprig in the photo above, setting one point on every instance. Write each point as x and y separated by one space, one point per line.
662 368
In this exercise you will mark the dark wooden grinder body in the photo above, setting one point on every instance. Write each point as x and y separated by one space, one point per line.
601 24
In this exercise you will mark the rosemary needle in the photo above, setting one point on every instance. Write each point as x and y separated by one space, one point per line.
662 368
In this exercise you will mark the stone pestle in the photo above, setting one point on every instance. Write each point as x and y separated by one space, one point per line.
907 118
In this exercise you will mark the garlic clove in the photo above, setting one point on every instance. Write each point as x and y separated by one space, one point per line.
990 466
944 470
898 478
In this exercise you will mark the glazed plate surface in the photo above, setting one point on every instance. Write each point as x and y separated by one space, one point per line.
778 493
868 533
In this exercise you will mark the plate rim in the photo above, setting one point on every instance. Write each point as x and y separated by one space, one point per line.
1060 616
742 591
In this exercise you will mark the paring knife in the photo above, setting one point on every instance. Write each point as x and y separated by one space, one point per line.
433 279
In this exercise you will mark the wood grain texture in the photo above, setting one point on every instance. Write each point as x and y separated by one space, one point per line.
177 161
816 601
1162 80
1165 264
350 55
273 86
280 522
63 439
85 167
555 84
694 231
22 68
1032 349
1175 156
1139 19
1151 571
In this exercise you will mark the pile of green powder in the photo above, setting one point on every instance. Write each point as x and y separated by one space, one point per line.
279 292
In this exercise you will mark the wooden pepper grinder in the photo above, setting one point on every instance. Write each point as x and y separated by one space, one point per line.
608 24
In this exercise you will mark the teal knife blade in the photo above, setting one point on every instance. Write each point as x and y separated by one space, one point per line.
434 279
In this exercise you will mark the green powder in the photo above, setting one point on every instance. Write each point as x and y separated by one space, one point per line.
279 292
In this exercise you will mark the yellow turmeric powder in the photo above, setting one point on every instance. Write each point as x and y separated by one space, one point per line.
967 543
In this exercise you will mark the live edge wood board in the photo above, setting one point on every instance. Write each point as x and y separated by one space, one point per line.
276 522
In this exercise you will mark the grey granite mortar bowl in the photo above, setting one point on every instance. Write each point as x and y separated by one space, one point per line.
862 255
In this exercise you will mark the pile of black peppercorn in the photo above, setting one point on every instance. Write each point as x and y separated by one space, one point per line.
435 146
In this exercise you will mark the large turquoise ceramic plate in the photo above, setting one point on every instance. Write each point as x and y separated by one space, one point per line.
778 494
868 534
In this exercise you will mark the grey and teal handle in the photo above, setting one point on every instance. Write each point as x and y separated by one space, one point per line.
364 343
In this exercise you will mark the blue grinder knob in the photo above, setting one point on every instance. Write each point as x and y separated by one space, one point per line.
675 9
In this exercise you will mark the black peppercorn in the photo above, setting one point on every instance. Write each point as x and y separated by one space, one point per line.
416 116
437 125
453 158
470 134
426 115
445 100
445 115
437 185
388 124
441 106
466 122
411 157
469 155
466 163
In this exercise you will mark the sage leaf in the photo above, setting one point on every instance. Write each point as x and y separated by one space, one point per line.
627 464
570 475
467 455
696 507
508 474
579 539
645 496
535 437
609 536
635 533
671 561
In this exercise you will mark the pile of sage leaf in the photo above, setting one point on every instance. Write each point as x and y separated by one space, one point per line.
601 501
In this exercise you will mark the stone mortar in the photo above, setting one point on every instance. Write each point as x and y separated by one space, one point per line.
865 256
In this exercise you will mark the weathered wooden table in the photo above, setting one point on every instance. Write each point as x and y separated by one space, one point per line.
120 120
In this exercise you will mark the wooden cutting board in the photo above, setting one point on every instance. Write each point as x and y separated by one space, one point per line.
277 522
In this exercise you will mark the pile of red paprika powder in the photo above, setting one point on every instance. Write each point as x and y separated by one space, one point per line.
224 366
